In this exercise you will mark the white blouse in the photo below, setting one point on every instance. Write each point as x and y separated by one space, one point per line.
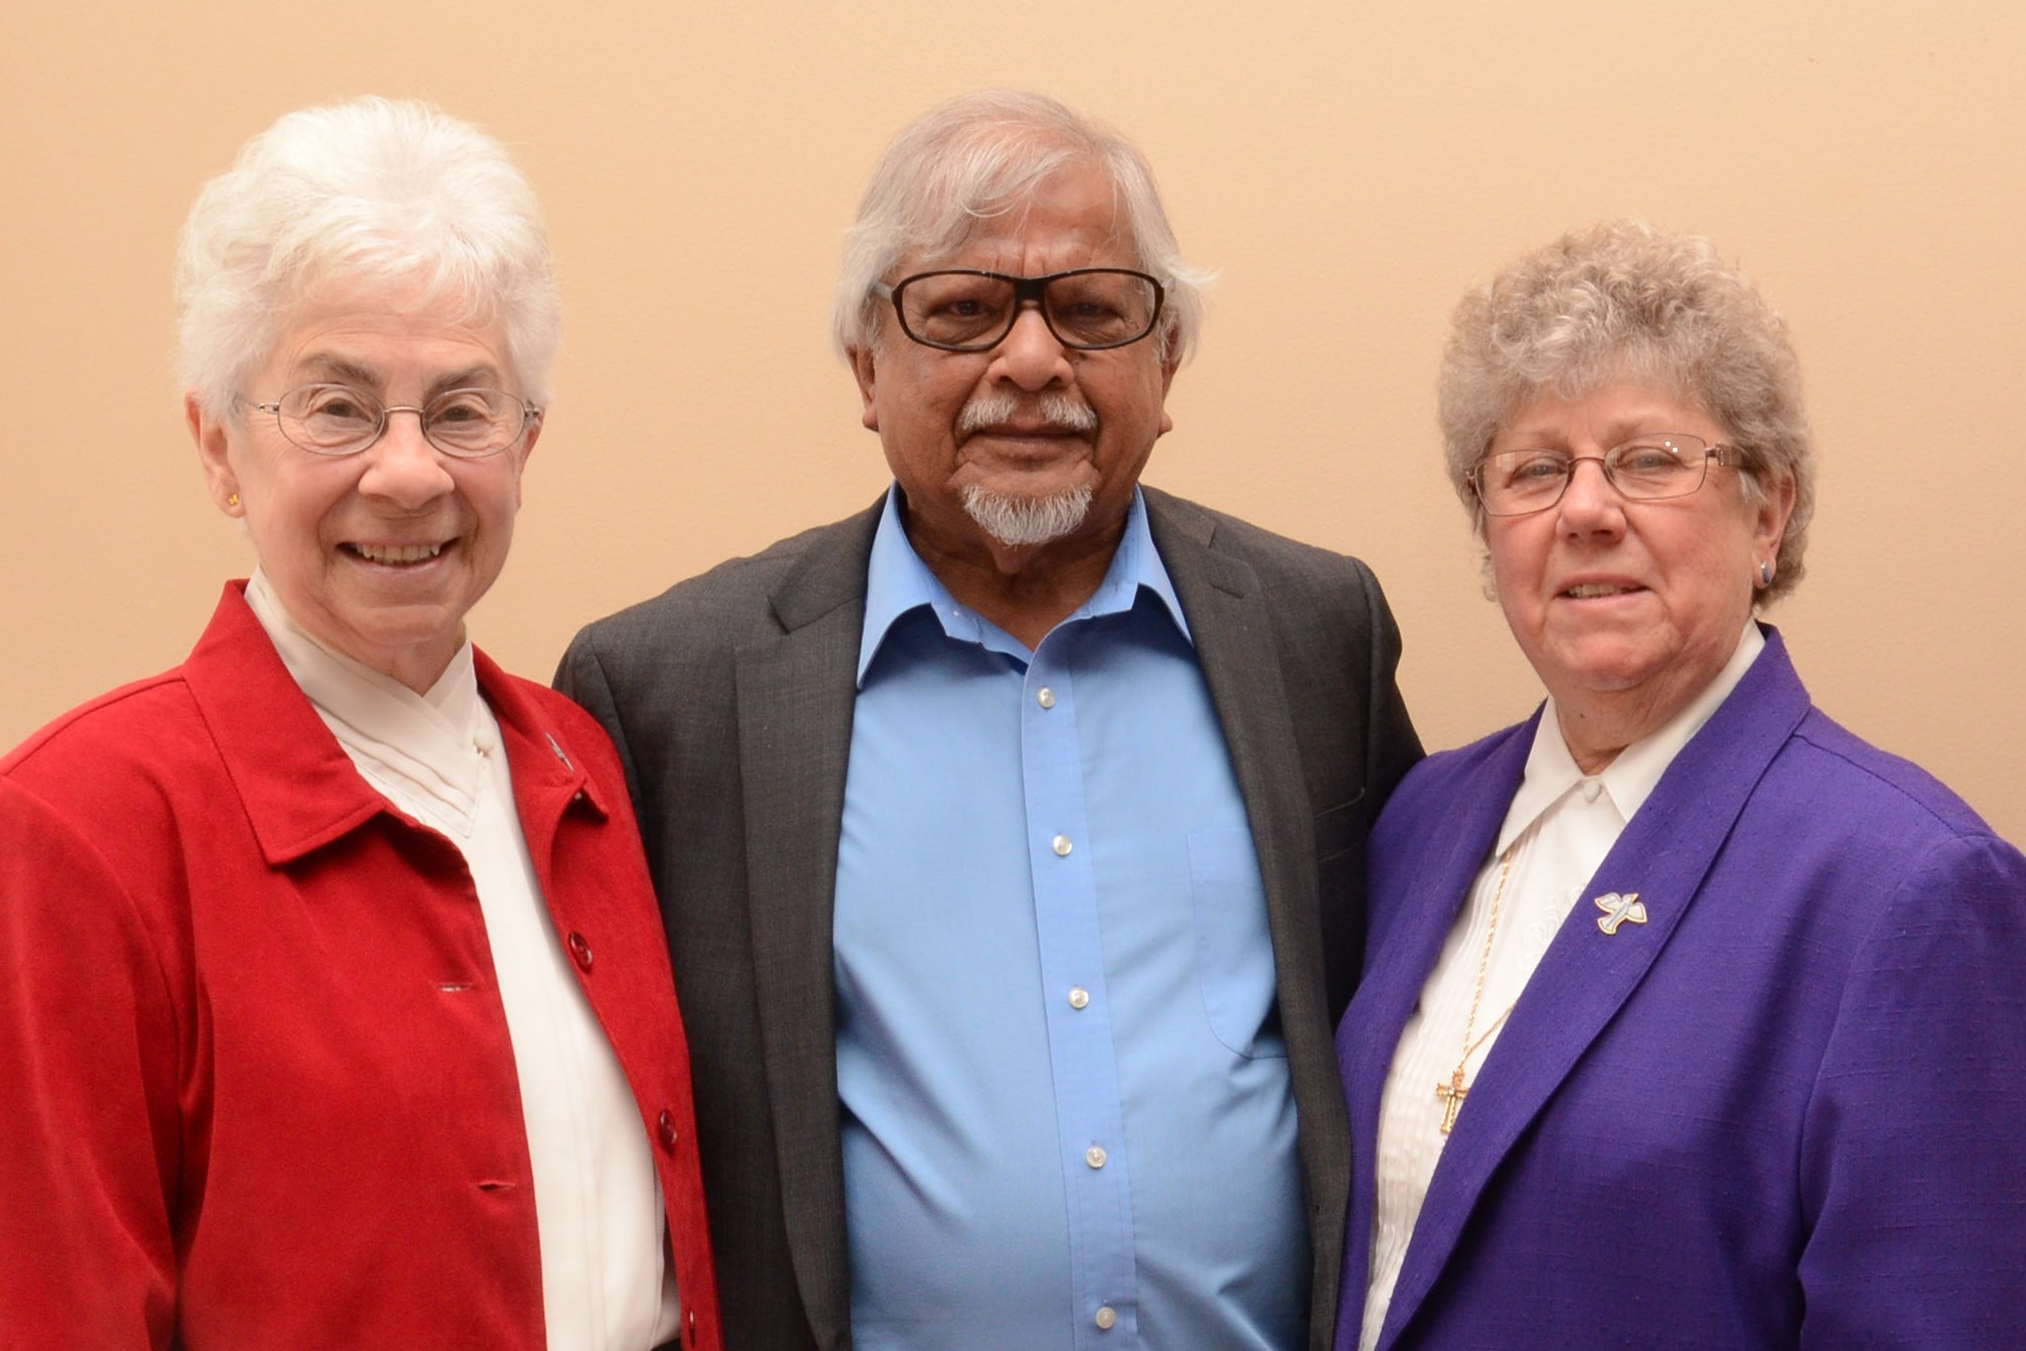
1558 830
606 1282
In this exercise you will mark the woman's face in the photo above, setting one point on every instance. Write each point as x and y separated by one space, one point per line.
1627 610
378 554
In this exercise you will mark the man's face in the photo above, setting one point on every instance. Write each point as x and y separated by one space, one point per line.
1026 429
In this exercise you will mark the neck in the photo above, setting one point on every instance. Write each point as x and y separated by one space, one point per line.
1028 603
1024 589
1589 757
1598 727
1598 724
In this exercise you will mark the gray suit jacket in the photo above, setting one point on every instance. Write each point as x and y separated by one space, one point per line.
730 698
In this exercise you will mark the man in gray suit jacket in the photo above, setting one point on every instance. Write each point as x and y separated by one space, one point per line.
1010 834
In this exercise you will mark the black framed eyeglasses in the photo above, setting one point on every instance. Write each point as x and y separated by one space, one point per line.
1648 468
967 310
335 420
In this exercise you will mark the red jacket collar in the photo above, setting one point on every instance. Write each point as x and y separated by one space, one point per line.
299 788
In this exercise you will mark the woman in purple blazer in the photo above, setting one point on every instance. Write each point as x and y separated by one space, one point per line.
1690 1020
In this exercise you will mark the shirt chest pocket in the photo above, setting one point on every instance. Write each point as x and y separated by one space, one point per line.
1234 949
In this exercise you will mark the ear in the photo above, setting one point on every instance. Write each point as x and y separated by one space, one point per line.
521 453
213 440
1769 518
862 371
534 434
1168 368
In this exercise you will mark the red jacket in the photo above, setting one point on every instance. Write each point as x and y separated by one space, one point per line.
256 1089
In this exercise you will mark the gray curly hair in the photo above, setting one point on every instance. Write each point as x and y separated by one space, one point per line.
1623 300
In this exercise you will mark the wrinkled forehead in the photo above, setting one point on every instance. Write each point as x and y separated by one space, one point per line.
1070 202
416 304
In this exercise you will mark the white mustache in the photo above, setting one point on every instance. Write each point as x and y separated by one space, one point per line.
1058 411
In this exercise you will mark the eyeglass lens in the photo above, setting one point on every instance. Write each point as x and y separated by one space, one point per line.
1091 308
1514 482
337 419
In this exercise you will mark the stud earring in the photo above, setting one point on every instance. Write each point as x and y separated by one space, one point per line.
232 501
1765 571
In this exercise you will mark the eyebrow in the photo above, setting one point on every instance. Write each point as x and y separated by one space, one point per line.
343 370
1618 434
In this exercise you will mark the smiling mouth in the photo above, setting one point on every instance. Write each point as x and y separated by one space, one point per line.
396 554
1595 590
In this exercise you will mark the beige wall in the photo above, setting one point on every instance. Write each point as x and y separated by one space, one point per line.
1349 169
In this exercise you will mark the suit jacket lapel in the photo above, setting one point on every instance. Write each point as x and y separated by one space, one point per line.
1586 975
1233 636
796 693
1231 627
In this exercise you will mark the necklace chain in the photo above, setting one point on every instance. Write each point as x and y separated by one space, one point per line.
1454 1091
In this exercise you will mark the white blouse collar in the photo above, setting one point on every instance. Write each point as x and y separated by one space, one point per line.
1631 777
423 749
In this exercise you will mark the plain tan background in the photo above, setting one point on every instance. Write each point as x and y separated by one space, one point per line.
1348 169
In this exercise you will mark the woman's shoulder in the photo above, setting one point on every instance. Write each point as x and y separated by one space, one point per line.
545 712
1442 773
1826 762
141 729
1830 815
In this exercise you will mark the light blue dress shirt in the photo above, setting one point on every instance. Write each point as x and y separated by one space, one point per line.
1067 1117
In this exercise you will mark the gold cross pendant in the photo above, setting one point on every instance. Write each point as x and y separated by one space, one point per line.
1452 1094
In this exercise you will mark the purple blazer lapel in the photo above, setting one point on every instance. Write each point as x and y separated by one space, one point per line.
1587 974
1450 841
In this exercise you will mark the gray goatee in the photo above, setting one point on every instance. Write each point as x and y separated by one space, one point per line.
1024 521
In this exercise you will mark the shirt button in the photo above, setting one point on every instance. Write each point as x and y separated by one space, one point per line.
1062 846
1095 1156
1078 997
665 1128
1107 1317
1045 697
580 950
484 741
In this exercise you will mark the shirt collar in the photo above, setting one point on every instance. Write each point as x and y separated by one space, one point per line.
898 582
428 745
1632 776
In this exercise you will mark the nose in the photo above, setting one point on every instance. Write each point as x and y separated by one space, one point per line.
1030 355
1591 503
402 467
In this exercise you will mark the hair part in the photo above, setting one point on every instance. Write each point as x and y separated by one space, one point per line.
1625 301
395 196
976 158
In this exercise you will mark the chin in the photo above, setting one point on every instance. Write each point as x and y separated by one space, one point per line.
1021 522
1602 665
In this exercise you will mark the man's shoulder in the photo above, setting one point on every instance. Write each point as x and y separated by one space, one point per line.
1175 517
735 596
1311 591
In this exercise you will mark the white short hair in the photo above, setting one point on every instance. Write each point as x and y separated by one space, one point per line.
368 191
974 158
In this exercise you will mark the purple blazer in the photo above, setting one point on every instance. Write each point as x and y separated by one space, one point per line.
1789 1110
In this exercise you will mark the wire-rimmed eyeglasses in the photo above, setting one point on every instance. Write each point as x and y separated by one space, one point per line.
967 310
334 420
1648 468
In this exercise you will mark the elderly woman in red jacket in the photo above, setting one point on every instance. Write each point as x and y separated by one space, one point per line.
334 1009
